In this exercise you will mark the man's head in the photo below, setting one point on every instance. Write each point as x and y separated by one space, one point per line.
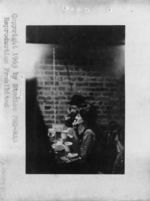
73 110
69 118
77 100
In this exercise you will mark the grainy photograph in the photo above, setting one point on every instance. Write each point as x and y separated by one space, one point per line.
75 100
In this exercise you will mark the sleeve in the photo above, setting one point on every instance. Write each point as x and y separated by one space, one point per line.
87 145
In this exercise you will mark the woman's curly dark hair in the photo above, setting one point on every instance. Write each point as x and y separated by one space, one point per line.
89 114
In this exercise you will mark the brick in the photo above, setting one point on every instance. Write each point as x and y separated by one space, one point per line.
106 92
63 73
47 107
48 112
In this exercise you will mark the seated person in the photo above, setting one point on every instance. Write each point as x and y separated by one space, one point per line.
110 150
113 150
84 162
118 166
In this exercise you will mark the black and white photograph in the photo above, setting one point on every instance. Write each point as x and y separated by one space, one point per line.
75 102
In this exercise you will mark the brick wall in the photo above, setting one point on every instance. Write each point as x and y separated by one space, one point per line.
106 92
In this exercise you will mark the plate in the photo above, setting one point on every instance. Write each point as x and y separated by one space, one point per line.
58 147
68 143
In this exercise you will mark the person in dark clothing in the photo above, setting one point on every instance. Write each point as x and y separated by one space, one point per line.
84 162
111 147
118 166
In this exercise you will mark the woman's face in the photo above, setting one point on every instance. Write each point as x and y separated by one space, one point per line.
78 124
78 120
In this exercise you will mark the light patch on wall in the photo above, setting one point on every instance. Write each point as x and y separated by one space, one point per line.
119 60
32 55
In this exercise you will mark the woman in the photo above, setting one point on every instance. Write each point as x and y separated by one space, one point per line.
84 162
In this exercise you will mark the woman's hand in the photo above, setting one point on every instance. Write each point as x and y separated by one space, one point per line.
72 155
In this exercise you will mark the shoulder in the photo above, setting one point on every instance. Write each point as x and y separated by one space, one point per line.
89 133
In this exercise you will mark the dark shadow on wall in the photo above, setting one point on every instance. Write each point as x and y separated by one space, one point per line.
38 158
